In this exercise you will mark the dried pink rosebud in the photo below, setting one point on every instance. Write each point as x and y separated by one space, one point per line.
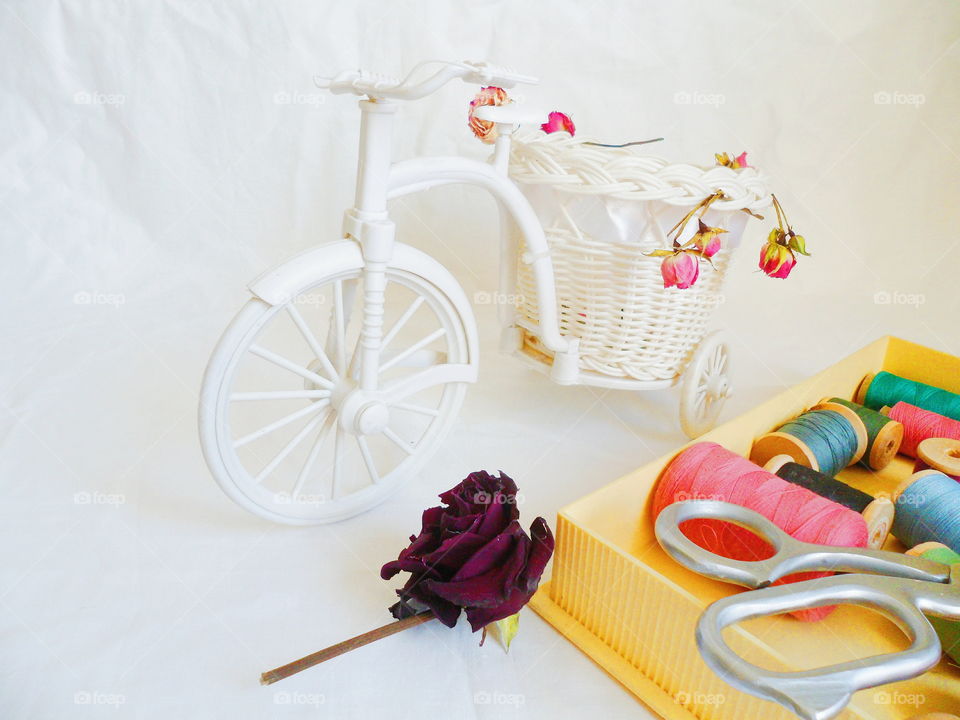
707 239
557 122
709 245
776 260
740 161
680 270
485 130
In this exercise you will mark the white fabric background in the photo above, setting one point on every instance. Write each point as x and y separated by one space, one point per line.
149 169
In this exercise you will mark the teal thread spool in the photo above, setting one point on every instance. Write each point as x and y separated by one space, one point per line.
928 510
823 439
947 630
883 434
885 388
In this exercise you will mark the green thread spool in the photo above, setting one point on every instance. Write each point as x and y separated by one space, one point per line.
885 388
823 439
883 434
947 630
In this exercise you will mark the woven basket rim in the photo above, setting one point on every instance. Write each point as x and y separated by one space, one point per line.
569 165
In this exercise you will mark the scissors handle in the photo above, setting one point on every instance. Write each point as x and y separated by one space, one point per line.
821 693
790 555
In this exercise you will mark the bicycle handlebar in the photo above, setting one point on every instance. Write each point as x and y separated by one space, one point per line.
361 82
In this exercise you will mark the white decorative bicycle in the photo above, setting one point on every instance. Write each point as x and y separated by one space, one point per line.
360 350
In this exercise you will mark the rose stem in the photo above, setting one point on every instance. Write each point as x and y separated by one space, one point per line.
271 676
781 216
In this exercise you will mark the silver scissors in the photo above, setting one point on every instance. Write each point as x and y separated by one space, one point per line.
899 586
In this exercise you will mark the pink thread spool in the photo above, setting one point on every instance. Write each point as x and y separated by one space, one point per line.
709 471
919 425
941 454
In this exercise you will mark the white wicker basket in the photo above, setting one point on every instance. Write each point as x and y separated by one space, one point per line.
602 210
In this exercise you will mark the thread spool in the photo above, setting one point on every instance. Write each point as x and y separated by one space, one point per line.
919 425
877 512
928 510
706 470
947 630
885 388
823 439
884 435
941 454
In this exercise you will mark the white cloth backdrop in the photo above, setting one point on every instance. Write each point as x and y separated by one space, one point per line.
156 156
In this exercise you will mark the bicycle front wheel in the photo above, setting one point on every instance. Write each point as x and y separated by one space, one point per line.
280 379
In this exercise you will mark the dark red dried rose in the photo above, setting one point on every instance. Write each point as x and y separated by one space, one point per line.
472 554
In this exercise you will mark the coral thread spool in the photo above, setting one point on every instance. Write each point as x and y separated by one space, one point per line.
823 439
919 425
928 510
707 470
941 454
878 513
947 630
884 435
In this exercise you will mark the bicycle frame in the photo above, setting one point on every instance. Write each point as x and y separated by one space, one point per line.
344 393
380 179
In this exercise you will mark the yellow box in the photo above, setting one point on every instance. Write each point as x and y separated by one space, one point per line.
617 596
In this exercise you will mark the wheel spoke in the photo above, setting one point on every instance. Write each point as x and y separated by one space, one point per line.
341 329
423 342
280 395
415 409
368 458
288 448
285 420
398 326
281 361
311 340
398 441
354 357
337 461
421 358
312 457
719 361
403 388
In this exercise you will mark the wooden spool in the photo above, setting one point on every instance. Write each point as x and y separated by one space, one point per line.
777 462
862 390
886 444
776 443
942 454
878 515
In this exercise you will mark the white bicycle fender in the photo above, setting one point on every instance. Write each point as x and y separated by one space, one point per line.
293 276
